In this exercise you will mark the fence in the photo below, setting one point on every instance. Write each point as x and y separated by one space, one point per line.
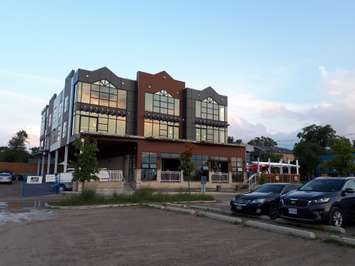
170 176
219 177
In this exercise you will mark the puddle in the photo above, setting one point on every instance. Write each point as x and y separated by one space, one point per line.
25 216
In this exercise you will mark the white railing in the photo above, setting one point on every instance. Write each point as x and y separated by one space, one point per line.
110 175
252 181
219 177
170 176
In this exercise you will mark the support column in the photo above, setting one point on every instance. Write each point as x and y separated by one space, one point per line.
297 168
49 163
42 166
38 166
56 162
269 168
65 163
289 167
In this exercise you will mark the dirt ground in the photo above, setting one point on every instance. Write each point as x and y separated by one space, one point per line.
141 236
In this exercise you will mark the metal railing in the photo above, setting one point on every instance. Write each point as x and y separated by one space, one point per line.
219 177
110 175
170 176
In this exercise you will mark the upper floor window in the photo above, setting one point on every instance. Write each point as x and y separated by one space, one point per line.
162 102
211 134
161 129
209 109
101 93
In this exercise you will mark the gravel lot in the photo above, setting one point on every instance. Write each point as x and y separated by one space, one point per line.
141 236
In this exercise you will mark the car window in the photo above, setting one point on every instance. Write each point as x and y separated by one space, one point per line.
323 185
4 174
270 188
349 184
288 188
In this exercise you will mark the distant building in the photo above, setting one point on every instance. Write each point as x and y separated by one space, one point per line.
253 153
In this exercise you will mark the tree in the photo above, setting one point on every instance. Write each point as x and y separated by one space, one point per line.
18 142
16 150
314 140
322 135
263 142
86 162
308 154
343 161
186 164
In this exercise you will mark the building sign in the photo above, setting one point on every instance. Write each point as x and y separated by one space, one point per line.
50 178
34 179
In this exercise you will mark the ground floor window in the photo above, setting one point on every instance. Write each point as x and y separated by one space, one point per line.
149 166
160 128
199 162
94 122
211 134
237 169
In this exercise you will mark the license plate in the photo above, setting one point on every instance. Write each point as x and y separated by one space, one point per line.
292 211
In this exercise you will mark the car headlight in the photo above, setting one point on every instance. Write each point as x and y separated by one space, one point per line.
260 201
319 201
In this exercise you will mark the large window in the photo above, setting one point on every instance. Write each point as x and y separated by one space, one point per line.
199 161
209 109
93 122
162 102
101 93
159 128
149 166
211 134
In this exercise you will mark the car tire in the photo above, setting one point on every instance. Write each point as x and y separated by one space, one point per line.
336 217
274 211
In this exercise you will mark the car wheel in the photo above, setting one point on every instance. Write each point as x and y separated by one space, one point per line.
337 217
273 211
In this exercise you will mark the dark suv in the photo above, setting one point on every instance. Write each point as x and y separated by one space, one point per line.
323 199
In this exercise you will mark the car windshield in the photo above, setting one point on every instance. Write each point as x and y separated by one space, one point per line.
323 185
4 174
270 188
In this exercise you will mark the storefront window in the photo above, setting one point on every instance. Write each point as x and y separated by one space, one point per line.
149 166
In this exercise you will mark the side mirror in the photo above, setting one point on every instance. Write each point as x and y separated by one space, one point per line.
349 190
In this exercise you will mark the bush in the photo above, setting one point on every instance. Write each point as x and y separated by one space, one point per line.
89 197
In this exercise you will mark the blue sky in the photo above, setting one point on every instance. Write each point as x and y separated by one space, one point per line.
283 64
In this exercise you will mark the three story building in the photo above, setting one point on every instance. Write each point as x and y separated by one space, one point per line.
141 127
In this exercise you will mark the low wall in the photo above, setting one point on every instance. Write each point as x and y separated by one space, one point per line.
109 187
184 185
19 168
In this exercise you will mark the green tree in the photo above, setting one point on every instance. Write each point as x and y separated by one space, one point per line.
186 164
16 150
263 142
322 135
18 142
86 161
314 140
343 161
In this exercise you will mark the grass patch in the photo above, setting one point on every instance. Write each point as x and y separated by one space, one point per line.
89 197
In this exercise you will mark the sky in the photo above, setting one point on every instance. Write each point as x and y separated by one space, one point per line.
282 64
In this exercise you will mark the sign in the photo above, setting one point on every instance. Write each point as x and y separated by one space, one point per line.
50 178
34 179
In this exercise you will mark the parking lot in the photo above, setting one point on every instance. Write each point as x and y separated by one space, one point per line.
142 236
137 235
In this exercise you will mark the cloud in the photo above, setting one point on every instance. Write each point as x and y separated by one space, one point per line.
251 116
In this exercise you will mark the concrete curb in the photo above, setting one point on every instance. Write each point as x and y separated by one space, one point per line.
342 240
327 228
181 210
87 207
281 229
211 209
219 217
